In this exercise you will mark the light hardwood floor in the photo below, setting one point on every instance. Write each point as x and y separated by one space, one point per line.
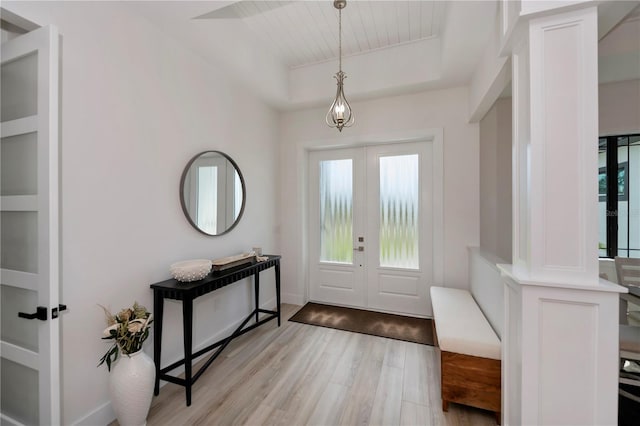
300 374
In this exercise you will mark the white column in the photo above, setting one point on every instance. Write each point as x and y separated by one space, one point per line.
555 95
560 344
564 133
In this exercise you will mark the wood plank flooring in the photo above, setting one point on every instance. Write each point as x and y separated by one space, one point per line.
306 375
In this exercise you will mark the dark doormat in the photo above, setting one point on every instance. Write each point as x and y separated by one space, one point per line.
417 330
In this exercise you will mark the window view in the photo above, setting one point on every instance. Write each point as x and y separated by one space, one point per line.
336 211
619 196
237 195
399 211
208 199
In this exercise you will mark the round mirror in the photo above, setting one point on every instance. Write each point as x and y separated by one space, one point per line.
212 193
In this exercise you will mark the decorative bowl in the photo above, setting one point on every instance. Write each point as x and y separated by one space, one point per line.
190 270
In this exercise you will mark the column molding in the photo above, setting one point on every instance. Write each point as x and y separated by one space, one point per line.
521 145
559 353
563 164
559 347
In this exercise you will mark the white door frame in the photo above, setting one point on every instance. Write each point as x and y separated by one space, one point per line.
432 135
45 42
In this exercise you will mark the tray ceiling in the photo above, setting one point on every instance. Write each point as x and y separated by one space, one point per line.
306 32
286 51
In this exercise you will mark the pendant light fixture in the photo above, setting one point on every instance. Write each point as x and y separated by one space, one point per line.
340 115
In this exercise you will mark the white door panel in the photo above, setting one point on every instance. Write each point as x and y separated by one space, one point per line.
335 219
371 237
29 362
399 205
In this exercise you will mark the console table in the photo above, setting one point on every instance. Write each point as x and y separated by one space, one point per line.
187 292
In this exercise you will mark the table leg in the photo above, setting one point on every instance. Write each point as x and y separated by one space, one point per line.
187 324
277 268
158 307
256 282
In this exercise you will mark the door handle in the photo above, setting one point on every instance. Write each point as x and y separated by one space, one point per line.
41 314
359 248
56 311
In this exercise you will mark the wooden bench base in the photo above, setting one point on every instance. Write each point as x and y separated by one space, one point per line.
470 380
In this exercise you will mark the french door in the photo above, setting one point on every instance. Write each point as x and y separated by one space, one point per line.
371 227
29 344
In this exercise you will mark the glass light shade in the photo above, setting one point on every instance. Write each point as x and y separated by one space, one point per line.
339 114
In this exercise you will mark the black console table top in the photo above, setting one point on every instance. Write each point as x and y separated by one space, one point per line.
187 292
174 289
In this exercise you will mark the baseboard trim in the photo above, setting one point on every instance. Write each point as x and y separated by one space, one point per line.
104 414
292 298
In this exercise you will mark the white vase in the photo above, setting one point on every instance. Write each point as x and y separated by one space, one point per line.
131 388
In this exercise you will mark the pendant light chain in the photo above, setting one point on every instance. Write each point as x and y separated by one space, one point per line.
340 38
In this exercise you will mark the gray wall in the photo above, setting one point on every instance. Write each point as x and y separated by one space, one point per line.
495 180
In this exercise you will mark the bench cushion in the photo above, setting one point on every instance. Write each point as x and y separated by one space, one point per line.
460 325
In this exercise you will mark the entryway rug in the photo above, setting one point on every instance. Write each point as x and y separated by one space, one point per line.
417 330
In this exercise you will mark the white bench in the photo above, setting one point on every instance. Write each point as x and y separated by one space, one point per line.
470 351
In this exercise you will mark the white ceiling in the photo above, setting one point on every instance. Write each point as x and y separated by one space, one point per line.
306 32
286 51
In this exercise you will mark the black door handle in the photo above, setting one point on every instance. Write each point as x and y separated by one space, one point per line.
41 314
55 311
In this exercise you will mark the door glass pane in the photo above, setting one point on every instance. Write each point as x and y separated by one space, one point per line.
634 196
336 211
602 197
208 199
19 331
18 171
18 82
19 241
399 211
19 398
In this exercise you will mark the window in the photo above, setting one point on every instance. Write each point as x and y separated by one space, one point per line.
399 201
336 211
619 195
207 216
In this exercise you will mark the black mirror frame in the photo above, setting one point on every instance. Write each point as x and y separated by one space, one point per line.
184 207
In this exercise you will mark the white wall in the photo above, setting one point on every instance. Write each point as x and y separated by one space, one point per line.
495 179
619 111
619 50
136 106
486 286
390 118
